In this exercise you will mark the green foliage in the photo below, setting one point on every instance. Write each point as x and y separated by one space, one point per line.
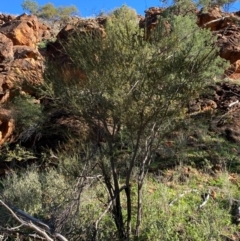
31 6
133 91
134 82
185 221
35 192
24 191
27 112
65 12
212 3
47 194
17 154
203 3
49 11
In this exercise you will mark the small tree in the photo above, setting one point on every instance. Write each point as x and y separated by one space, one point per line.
49 11
65 12
132 93
31 6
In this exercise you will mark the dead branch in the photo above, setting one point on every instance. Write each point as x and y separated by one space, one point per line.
182 195
230 17
206 198
27 224
233 103
42 231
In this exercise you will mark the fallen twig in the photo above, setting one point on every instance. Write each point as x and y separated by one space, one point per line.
233 103
43 231
230 17
206 198
182 195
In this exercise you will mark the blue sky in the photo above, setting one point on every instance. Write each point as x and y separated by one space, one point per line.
89 7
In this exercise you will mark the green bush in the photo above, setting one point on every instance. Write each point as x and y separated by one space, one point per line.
132 91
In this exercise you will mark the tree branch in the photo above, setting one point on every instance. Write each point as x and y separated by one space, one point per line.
231 17
42 231
106 210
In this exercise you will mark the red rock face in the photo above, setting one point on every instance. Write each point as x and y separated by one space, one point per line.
20 62
222 24
23 30
6 48
229 43
6 125
6 18
206 19
228 33
233 72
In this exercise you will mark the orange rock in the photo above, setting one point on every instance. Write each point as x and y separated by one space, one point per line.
212 14
233 72
23 30
6 125
21 52
6 48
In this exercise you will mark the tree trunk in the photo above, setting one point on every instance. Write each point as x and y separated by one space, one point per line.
129 211
139 209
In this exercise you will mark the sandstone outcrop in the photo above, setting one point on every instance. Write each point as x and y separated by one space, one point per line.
55 51
233 72
6 18
223 105
23 30
6 49
229 43
82 26
6 125
207 19
225 26
21 64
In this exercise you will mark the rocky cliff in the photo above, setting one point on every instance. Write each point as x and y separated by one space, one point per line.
22 61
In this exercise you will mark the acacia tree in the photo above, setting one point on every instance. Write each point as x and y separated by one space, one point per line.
49 11
132 92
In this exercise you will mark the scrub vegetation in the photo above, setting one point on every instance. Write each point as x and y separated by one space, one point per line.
137 166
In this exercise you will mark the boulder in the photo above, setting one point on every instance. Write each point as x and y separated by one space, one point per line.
82 26
206 19
5 18
22 30
6 125
55 51
229 43
6 49
21 52
150 20
44 32
233 72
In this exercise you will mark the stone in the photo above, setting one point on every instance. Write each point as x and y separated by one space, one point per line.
229 43
6 49
6 125
205 19
6 18
44 32
21 52
233 72
22 30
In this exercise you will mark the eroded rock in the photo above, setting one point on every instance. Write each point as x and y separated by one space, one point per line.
6 125
22 30
6 49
